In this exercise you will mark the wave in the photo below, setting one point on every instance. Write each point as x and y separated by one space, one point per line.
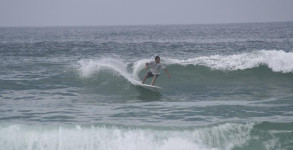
223 136
255 62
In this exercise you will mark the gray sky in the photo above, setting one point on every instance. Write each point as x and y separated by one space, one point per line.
141 12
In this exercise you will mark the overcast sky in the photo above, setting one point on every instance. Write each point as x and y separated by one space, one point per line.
141 12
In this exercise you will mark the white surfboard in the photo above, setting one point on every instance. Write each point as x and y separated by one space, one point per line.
150 87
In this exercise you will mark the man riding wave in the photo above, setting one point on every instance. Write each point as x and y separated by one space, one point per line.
155 69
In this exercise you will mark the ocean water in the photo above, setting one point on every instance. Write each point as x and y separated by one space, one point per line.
73 88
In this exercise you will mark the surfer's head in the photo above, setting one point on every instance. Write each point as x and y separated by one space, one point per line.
157 59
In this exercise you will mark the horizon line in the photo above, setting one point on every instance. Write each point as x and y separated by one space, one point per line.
167 24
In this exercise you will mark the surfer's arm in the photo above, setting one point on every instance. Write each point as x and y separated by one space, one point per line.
146 66
166 70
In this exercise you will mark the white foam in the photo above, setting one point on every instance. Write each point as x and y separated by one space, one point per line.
89 67
138 66
21 137
278 61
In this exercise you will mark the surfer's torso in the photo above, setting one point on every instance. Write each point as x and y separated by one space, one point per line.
156 68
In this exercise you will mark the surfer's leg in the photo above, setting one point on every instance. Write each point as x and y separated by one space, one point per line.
154 79
147 75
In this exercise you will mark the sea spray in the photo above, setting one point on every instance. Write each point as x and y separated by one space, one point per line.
138 66
88 67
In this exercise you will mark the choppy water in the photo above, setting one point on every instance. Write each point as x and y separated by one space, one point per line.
74 87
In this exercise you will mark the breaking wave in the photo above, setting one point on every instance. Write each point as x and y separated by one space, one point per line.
223 136
276 61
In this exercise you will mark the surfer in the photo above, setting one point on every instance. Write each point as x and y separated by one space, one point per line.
155 69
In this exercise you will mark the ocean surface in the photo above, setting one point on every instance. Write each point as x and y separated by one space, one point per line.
74 88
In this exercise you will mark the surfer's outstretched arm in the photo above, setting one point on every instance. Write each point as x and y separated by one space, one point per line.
146 76
166 70
144 79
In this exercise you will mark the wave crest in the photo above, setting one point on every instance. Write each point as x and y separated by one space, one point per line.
277 60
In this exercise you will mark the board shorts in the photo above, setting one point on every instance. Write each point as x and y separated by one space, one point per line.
150 74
